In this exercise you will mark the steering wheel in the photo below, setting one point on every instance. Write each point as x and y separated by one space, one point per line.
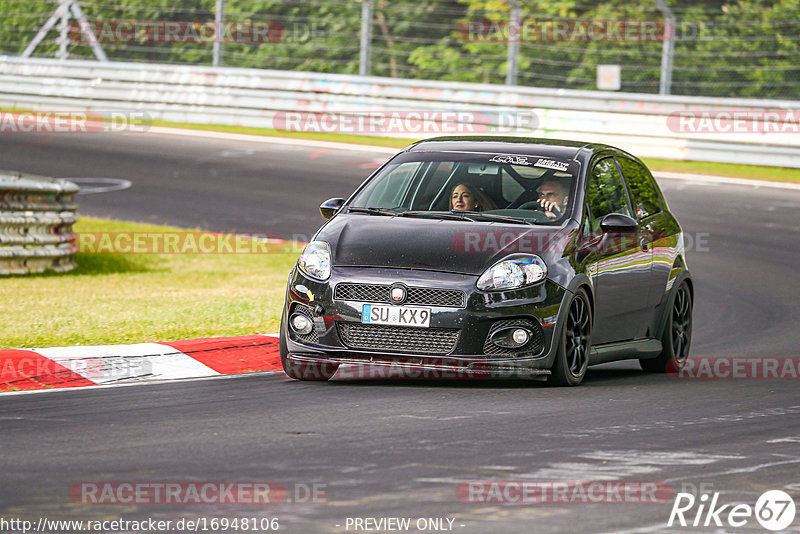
534 205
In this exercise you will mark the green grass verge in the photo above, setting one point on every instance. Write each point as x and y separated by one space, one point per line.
732 170
133 298
389 142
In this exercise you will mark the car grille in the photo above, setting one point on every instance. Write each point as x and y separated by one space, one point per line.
398 338
312 338
534 345
446 298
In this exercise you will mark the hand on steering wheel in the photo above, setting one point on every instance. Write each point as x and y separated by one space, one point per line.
549 208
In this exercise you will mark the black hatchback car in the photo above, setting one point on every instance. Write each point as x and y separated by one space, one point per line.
488 257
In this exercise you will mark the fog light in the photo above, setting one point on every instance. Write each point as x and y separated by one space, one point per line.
511 337
520 336
301 324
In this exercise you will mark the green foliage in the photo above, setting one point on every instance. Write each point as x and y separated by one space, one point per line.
745 48
315 36
748 48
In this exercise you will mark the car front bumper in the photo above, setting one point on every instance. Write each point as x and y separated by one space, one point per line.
456 344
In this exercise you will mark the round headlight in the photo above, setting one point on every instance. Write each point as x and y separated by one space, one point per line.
315 260
513 272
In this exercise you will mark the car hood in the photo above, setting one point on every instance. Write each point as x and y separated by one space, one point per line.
464 247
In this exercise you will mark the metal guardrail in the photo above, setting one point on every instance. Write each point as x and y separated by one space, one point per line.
36 218
639 123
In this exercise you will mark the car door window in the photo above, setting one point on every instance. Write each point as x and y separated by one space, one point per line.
389 192
642 188
432 184
605 192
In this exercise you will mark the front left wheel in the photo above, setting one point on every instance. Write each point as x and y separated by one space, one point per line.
572 358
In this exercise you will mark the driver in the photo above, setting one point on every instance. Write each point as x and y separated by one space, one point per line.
553 194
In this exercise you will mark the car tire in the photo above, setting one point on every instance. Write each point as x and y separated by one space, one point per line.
301 370
677 336
574 345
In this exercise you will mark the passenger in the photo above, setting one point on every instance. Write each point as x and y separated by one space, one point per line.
469 198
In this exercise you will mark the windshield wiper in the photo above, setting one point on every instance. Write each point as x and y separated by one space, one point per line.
436 214
371 211
495 217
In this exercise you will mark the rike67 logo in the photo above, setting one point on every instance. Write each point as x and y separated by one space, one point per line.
774 510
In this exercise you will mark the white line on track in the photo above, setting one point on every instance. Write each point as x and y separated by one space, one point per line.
99 185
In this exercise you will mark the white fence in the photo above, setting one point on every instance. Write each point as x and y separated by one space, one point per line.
759 132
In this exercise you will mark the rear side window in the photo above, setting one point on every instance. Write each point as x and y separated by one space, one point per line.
605 191
642 188
511 188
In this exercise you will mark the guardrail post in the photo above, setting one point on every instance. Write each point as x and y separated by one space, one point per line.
219 20
668 49
366 38
513 42
63 29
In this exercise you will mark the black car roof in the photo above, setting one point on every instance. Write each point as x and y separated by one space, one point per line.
557 148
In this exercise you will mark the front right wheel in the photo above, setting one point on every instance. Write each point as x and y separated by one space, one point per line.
677 336
572 358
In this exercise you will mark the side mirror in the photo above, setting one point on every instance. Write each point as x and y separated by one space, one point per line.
329 208
618 223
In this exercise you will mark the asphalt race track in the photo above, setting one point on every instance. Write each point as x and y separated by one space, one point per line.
201 182
400 449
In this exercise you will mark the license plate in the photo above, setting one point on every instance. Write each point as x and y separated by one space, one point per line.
396 315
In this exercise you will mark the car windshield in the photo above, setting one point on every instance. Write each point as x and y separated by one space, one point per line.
510 188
